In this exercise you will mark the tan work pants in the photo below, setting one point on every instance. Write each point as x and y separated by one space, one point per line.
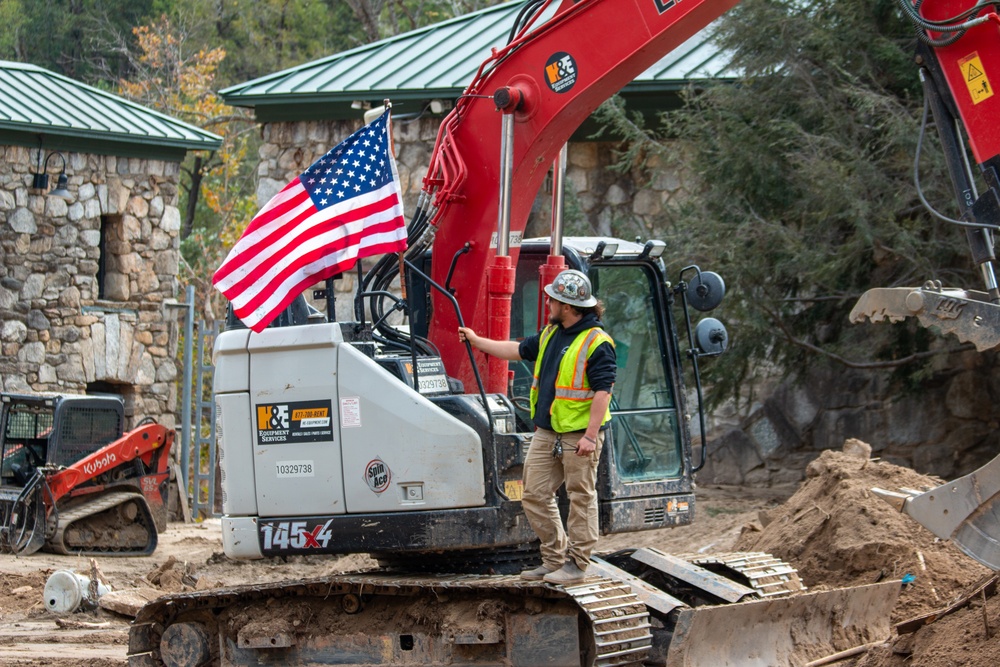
543 475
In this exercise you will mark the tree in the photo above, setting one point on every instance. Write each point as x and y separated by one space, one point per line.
385 18
178 79
65 35
806 195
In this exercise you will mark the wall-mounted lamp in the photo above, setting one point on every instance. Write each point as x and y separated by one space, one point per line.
40 181
440 106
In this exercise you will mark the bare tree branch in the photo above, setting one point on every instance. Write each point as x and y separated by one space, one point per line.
866 365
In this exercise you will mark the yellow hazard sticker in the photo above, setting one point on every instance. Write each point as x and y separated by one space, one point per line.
513 489
975 77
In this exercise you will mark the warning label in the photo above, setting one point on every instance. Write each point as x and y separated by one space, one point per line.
302 421
975 78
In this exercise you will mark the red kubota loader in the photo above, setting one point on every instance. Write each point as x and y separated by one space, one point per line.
72 482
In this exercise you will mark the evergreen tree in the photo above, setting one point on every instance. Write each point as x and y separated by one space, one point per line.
806 196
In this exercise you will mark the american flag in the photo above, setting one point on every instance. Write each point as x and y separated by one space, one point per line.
346 206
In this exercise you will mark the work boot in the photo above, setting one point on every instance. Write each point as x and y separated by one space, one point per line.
568 575
538 573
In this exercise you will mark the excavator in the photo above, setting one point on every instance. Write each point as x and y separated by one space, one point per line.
400 442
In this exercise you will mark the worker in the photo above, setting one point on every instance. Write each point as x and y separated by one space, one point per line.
570 397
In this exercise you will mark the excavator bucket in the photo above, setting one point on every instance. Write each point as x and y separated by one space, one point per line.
783 631
965 511
967 314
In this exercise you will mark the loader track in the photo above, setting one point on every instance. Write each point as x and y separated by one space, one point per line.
215 622
96 528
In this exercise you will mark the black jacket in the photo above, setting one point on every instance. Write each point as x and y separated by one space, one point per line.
601 366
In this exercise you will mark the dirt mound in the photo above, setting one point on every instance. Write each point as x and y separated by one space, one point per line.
837 533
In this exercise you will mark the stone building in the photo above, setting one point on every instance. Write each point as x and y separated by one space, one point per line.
89 253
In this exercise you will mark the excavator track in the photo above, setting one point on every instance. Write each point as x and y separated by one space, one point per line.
767 575
619 620
382 619
115 523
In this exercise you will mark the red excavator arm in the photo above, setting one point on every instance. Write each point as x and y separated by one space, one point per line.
550 78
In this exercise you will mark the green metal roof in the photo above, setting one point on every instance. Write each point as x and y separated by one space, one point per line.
435 62
37 104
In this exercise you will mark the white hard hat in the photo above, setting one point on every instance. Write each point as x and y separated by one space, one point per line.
572 287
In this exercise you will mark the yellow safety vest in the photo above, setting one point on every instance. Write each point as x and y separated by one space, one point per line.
571 405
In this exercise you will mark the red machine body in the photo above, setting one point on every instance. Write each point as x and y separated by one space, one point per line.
971 66
150 444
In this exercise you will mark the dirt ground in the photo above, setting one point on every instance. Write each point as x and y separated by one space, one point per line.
831 528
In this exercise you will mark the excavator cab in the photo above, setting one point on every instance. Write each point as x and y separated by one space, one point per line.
645 478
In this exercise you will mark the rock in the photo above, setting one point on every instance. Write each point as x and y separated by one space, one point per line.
154 576
23 221
204 584
172 581
856 447
129 602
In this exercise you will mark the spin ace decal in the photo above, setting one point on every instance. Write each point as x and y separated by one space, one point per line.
377 475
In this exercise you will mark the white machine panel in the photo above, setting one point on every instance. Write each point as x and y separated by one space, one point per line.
293 399
234 438
400 451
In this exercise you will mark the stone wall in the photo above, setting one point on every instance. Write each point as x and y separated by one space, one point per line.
946 427
61 328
